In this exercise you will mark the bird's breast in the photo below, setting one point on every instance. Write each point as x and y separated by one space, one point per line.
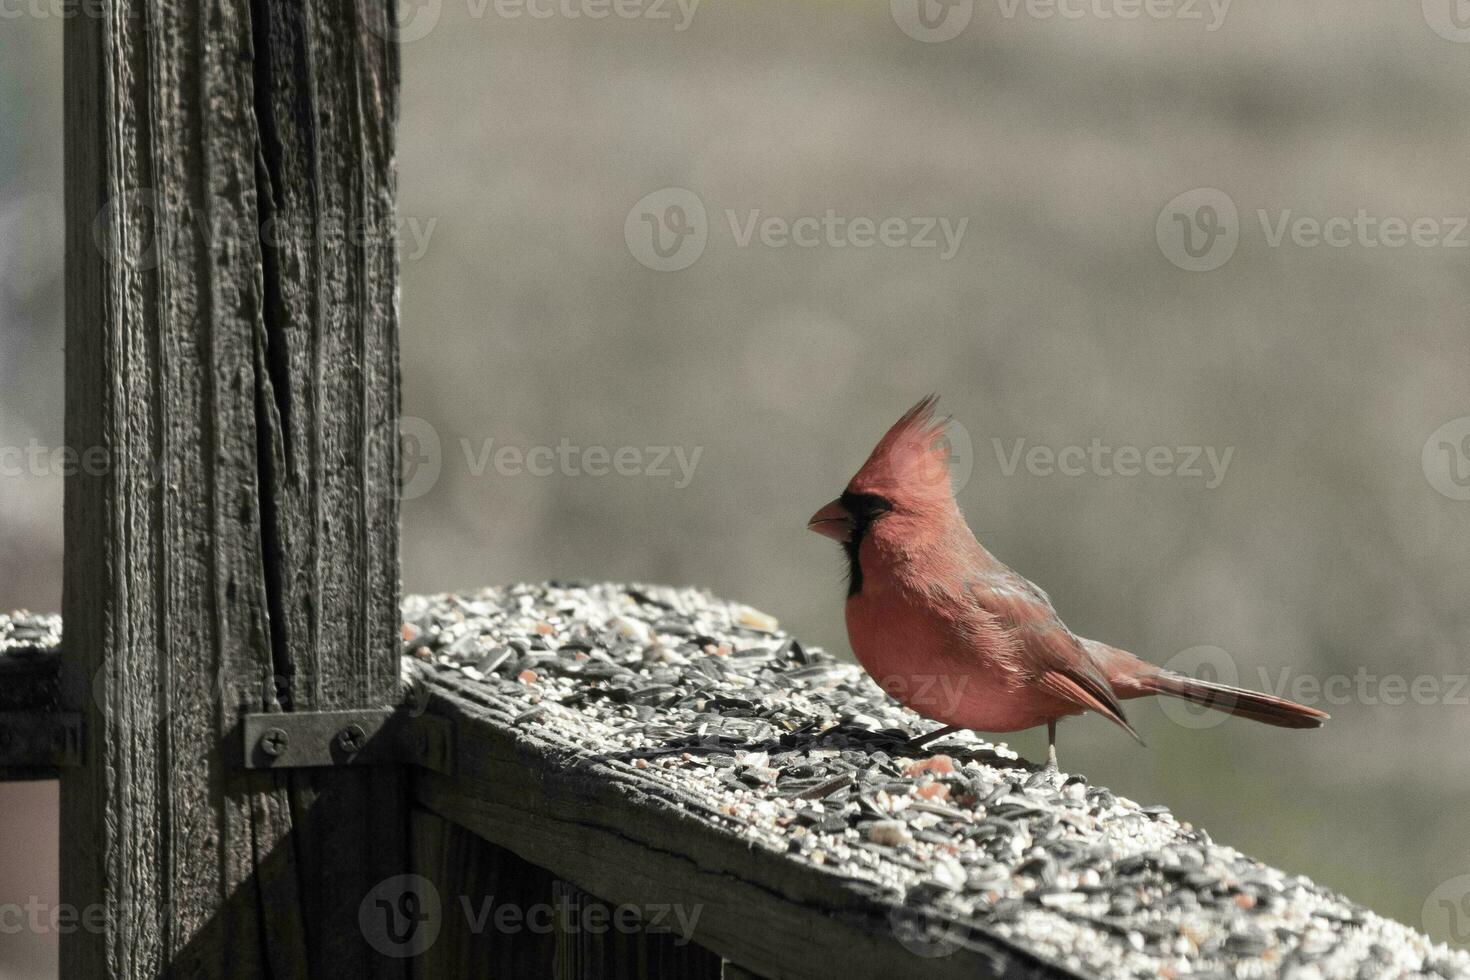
941 659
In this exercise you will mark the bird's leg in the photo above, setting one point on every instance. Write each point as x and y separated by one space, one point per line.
1051 745
919 741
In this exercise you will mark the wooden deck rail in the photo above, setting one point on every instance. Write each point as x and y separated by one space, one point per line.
652 782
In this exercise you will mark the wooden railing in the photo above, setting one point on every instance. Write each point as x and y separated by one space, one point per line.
643 782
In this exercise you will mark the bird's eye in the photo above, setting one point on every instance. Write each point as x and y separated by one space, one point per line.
866 506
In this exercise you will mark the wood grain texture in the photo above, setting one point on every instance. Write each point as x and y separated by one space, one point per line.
472 879
241 550
596 941
499 916
628 840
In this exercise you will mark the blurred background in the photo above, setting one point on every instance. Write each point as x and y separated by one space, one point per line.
1092 234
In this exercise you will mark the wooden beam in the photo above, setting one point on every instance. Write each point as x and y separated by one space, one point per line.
482 893
232 348
557 807
597 941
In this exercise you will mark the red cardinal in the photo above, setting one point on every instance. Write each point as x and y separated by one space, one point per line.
957 636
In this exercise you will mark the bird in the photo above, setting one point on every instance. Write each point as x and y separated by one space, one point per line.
951 632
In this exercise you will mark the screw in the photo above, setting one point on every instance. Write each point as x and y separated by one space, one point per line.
350 739
273 741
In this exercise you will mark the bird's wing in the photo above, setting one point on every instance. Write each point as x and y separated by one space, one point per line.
1054 656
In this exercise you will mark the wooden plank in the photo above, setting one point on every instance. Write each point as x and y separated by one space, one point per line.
593 827
489 913
241 550
482 892
597 941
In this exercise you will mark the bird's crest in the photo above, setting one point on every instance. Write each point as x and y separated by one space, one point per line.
912 458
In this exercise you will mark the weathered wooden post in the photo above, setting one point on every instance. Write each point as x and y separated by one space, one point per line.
232 347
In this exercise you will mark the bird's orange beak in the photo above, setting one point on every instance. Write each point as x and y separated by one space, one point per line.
832 521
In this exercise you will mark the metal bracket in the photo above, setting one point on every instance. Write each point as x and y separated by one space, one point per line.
44 739
371 737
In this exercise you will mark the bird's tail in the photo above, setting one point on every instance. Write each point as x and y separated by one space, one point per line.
1235 700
